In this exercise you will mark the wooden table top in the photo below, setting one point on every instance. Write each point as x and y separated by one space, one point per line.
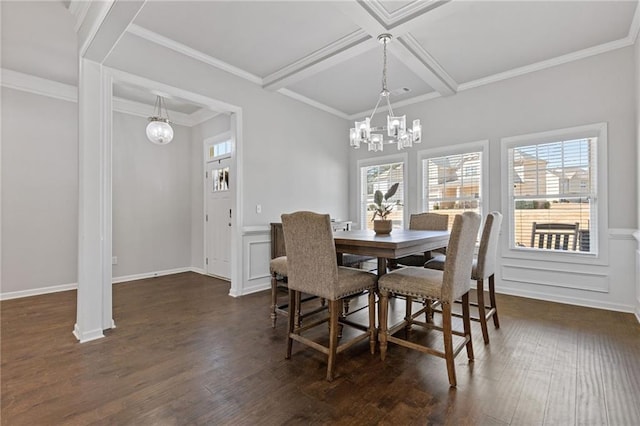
398 243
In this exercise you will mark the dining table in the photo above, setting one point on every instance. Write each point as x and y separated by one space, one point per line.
398 243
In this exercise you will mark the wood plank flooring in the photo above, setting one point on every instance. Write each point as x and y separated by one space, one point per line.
184 352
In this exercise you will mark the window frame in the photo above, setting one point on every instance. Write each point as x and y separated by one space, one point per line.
599 238
481 146
377 161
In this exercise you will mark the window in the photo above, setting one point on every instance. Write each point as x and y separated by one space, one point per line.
553 190
452 181
381 177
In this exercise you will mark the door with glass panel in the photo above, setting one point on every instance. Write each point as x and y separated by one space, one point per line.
218 218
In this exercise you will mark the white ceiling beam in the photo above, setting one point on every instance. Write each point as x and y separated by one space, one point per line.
413 55
342 50
104 25
79 9
367 16
404 19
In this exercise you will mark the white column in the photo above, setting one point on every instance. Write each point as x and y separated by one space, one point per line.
94 311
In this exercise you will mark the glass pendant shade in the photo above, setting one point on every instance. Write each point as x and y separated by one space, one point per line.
353 140
416 131
159 131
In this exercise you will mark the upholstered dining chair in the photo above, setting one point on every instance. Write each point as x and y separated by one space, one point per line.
444 286
313 269
278 269
423 222
483 269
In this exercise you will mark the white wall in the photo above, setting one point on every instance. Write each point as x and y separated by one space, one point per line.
294 156
151 199
215 126
588 91
39 193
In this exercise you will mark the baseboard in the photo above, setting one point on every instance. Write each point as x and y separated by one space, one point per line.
74 286
637 312
87 336
145 275
253 289
566 300
38 291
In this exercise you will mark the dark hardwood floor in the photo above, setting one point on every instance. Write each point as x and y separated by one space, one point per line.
184 352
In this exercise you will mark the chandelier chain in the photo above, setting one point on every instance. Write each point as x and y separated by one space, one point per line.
384 67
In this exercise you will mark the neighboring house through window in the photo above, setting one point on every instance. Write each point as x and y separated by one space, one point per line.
380 174
453 179
552 190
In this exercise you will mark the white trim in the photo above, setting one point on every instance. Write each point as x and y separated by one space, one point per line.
601 237
568 300
253 230
39 86
249 260
198 270
53 89
481 145
87 336
153 274
408 13
333 54
555 283
549 63
38 291
622 234
313 103
192 53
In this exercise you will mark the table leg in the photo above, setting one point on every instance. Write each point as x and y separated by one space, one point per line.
382 266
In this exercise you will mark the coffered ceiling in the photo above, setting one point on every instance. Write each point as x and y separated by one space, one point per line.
325 52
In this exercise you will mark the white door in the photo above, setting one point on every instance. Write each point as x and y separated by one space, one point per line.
218 218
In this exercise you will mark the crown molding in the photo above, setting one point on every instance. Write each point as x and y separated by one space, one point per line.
339 51
202 115
404 19
140 109
192 53
39 86
539 66
66 92
313 103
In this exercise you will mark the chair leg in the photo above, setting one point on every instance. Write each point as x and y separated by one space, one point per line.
291 321
274 299
482 315
382 334
372 322
428 313
448 343
334 312
466 321
298 308
492 299
407 314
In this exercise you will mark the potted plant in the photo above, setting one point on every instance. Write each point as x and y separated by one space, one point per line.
382 208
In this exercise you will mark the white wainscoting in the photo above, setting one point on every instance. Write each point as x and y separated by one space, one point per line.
614 285
256 243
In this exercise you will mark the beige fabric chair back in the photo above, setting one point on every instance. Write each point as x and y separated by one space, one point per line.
486 265
311 253
429 222
457 266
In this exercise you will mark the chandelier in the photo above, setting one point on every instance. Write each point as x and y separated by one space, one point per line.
159 129
396 127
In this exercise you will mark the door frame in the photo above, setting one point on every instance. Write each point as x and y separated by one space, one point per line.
220 137
98 307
